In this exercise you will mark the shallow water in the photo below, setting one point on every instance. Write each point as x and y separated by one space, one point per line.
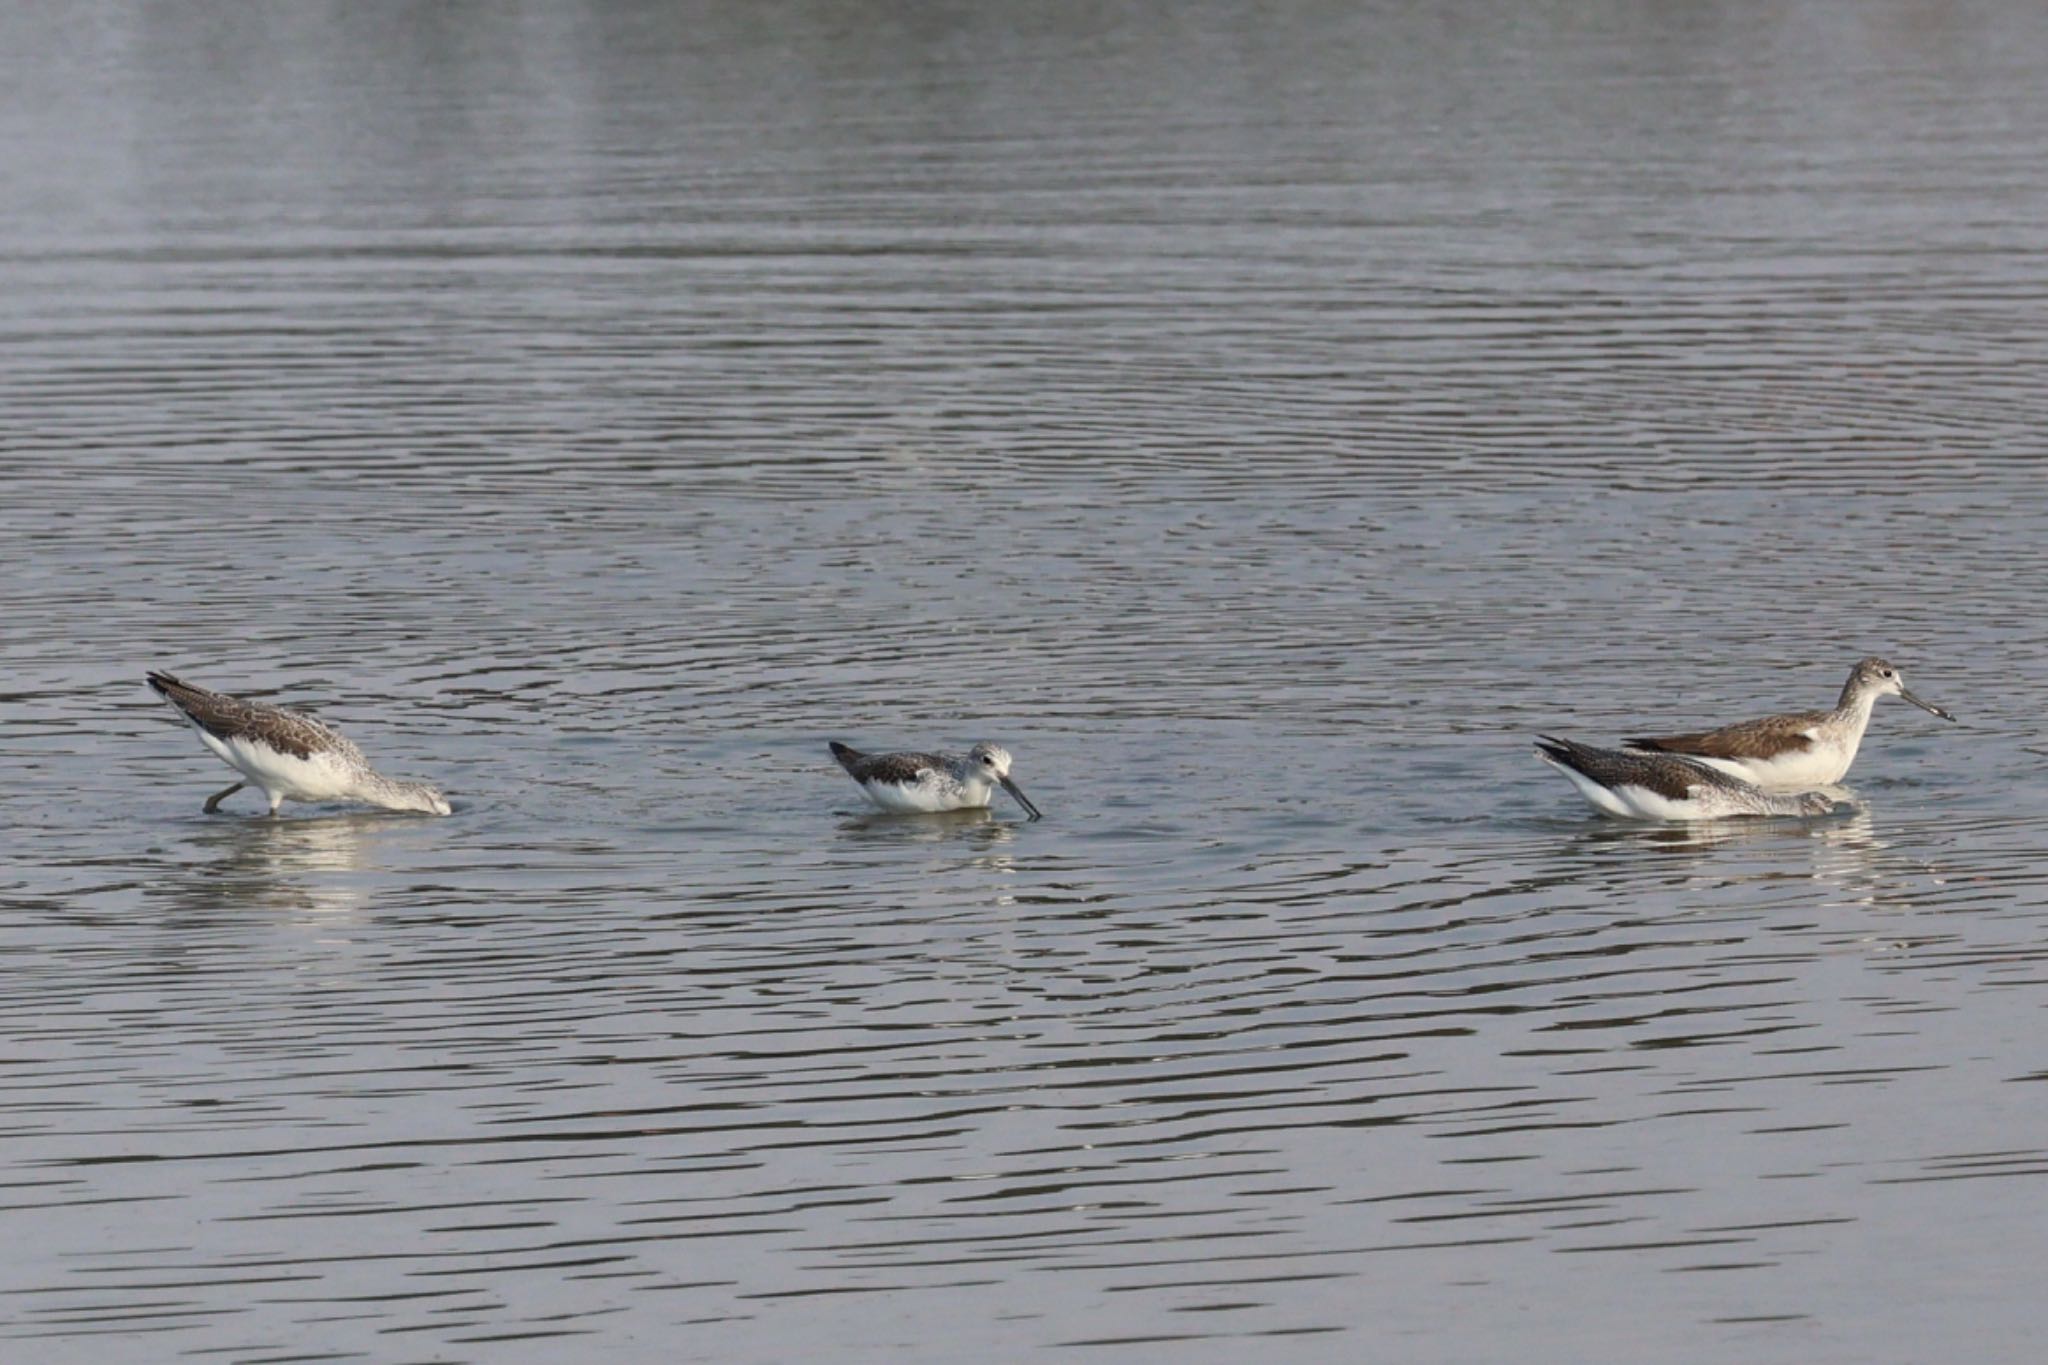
1262 423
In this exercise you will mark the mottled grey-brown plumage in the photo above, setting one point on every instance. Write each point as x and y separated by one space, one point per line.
225 717
899 769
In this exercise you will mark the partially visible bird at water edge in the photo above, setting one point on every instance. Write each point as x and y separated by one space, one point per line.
1798 750
925 783
1661 787
289 755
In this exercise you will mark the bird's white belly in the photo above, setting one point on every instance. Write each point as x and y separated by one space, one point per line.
302 779
924 797
1823 765
1644 804
1627 801
1601 799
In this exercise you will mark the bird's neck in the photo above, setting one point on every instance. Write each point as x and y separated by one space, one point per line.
380 790
1855 705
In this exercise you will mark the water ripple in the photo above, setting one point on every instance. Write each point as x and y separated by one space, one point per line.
1262 424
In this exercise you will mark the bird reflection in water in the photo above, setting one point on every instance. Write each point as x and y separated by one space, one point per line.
1844 855
978 826
308 866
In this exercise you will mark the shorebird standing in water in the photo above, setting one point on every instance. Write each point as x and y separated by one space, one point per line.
291 756
933 782
1662 787
1799 750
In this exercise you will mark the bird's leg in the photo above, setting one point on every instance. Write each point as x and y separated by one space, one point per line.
276 800
213 801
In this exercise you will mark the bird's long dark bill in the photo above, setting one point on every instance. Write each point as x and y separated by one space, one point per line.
1013 789
1929 707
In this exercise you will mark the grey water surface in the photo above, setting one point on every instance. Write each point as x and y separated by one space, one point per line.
1261 419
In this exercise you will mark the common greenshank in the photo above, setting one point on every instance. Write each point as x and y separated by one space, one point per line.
1800 750
933 782
288 754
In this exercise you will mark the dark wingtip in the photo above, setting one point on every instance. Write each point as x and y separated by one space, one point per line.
162 682
845 753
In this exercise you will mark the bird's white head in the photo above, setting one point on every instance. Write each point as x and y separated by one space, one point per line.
1875 677
993 760
991 763
418 796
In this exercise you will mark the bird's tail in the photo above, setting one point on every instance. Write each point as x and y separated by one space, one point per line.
1560 751
178 693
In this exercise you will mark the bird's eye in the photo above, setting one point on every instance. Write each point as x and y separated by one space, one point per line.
989 759
1888 673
